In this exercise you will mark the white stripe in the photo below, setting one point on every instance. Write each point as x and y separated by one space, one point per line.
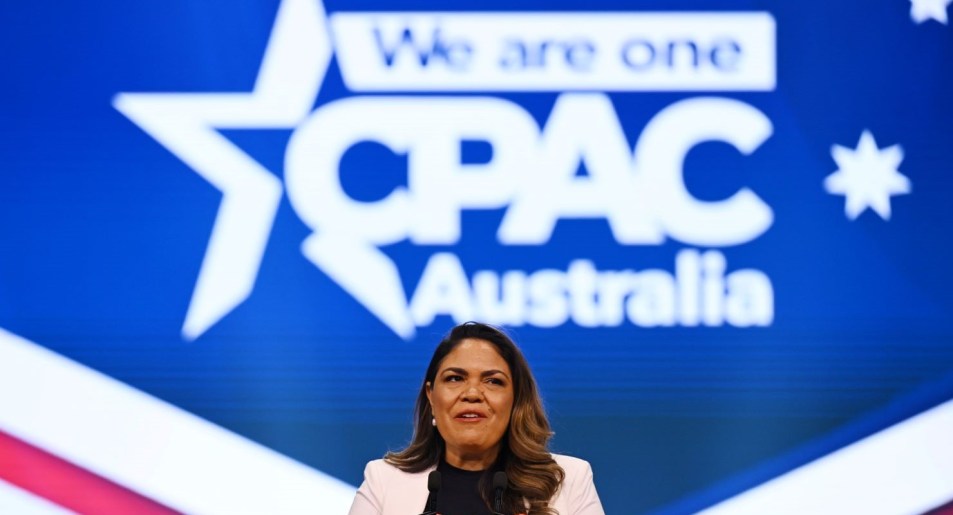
904 469
18 501
148 445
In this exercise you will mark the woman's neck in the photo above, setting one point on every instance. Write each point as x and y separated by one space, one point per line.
471 461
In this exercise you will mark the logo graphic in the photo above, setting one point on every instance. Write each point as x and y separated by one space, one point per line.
532 174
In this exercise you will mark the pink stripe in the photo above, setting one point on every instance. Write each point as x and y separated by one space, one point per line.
68 485
946 509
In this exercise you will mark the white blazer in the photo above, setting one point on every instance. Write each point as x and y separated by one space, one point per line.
387 490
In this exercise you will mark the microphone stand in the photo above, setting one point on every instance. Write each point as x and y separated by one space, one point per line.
433 485
499 485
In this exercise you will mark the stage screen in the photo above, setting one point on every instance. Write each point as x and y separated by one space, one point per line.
233 233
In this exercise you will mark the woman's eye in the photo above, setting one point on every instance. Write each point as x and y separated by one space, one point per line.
495 382
453 378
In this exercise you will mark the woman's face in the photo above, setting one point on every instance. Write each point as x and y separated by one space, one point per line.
472 398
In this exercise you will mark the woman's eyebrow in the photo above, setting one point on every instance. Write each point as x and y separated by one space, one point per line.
463 372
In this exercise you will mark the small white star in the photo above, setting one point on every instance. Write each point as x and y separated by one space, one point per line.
867 176
923 10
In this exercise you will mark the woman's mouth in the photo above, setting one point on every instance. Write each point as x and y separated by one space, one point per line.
470 417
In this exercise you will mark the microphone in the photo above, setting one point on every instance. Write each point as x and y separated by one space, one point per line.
433 485
499 485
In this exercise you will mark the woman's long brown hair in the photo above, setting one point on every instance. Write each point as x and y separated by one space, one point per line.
532 473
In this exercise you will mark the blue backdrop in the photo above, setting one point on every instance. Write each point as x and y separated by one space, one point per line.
687 359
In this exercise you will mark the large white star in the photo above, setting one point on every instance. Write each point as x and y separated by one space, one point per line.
295 62
923 10
867 176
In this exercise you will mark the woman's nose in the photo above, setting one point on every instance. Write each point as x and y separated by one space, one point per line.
473 392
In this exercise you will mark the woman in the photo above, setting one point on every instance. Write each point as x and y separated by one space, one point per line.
478 413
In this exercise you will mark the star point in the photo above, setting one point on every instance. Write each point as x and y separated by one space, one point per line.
867 177
924 10
187 124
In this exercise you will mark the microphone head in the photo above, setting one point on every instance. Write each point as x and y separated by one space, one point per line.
499 480
433 481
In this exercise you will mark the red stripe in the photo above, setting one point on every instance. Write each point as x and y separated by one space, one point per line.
946 509
66 484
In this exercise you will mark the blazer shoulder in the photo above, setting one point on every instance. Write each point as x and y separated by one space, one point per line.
381 471
571 463
379 465
577 494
